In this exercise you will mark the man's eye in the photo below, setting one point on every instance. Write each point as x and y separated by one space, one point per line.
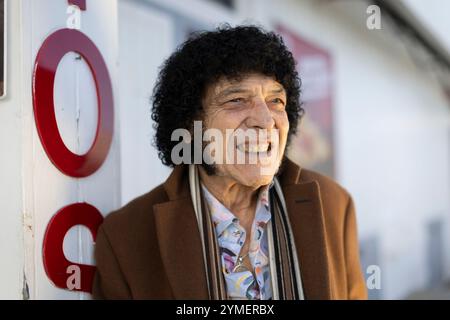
278 100
236 100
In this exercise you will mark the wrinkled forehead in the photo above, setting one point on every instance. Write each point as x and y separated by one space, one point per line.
245 82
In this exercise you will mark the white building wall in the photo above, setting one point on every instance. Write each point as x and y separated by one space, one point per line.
434 15
140 56
11 234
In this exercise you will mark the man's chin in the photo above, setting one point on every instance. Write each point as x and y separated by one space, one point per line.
253 177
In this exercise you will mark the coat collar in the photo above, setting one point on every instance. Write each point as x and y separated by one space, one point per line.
181 249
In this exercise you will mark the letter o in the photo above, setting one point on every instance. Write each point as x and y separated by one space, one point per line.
49 56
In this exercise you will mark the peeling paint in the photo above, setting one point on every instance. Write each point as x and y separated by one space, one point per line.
28 224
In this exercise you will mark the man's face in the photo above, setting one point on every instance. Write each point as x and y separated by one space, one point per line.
254 105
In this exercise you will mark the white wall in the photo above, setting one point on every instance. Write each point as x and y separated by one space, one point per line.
11 234
140 56
434 14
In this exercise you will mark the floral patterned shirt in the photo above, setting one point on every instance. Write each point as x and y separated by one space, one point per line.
231 237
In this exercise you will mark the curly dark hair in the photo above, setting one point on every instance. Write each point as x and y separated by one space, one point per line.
207 56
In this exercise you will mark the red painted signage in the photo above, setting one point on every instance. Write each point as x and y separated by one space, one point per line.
79 3
58 268
50 54
55 263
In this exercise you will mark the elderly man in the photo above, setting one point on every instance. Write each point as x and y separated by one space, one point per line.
219 228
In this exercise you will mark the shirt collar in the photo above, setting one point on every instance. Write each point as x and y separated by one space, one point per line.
222 217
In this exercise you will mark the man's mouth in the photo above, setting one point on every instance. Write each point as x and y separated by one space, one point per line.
255 148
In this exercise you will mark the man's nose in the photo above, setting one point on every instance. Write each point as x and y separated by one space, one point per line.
260 116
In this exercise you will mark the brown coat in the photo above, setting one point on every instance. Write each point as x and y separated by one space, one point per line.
151 249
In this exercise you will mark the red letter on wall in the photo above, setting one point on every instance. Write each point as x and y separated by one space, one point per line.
50 54
55 262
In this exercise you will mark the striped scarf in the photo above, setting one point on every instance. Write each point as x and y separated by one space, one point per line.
283 260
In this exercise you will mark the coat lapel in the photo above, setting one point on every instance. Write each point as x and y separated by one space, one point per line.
180 243
304 206
179 239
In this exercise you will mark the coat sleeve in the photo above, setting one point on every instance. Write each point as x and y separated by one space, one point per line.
356 287
109 281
